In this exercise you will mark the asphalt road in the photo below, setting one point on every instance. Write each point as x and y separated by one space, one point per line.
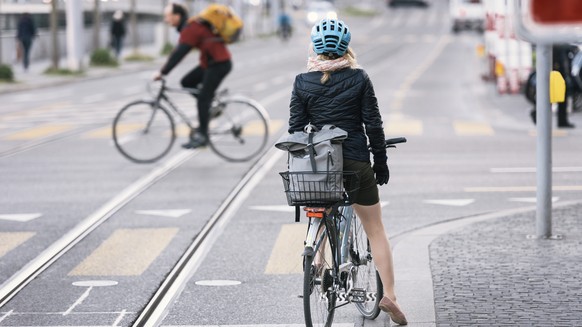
469 151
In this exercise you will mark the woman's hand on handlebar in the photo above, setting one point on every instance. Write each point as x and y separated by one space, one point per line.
157 76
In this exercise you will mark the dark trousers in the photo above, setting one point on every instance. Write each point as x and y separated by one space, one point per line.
207 81
26 44
116 44
562 113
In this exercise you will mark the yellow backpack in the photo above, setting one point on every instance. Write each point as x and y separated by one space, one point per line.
224 20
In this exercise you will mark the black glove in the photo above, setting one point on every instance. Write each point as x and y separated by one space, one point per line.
382 173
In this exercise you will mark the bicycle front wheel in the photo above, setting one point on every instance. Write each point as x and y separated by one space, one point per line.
238 129
143 132
319 295
365 276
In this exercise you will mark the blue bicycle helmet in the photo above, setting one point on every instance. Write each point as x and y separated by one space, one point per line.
331 37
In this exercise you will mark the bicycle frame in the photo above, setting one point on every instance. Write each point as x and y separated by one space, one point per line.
340 215
161 97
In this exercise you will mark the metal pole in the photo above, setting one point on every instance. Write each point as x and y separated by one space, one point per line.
74 35
96 25
544 141
133 22
54 24
1 27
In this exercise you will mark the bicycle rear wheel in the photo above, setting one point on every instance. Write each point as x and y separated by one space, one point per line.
365 275
319 296
143 132
238 129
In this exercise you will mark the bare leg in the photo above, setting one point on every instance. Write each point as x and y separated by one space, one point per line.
371 218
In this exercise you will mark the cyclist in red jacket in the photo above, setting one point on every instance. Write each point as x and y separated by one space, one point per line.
215 64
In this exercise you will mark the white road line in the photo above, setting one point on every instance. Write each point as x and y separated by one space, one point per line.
533 170
118 320
37 265
171 213
531 200
24 217
451 202
6 315
79 301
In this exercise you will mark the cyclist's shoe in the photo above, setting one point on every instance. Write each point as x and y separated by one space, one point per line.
196 141
393 311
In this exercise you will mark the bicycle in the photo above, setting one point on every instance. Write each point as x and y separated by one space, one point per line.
344 272
144 131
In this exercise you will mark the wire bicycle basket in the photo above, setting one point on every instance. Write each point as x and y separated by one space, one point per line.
320 188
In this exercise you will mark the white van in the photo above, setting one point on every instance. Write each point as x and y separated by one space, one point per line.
467 14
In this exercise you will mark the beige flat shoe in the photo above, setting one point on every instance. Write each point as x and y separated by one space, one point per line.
393 311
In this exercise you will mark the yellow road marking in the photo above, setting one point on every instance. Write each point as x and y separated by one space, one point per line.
11 240
555 133
418 72
275 125
286 254
522 188
107 132
403 127
127 252
254 128
467 128
101 133
38 132
182 130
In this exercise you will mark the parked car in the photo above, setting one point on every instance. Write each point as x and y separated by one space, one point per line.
467 14
407 3
318 10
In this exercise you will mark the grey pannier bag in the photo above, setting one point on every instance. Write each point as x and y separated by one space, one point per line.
315 161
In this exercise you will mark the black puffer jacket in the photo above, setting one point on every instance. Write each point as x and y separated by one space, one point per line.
346 100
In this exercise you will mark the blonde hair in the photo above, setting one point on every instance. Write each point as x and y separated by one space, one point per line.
350 56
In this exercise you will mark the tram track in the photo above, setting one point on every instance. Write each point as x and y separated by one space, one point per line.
155 310
171 287
49 256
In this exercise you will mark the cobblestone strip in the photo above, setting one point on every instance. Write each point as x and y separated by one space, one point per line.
490 274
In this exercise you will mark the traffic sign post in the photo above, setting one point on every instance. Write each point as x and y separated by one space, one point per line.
544 141
546 23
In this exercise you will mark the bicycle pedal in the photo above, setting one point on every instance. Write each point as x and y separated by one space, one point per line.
357 295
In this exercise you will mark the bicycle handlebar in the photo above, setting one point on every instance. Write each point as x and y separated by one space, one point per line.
390 142
396 140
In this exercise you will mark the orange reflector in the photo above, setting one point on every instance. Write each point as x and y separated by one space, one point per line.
312 214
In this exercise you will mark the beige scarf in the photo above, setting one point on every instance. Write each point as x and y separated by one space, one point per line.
315 64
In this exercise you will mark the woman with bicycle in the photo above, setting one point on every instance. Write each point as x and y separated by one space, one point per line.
336 91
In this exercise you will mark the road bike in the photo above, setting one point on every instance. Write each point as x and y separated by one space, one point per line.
338 267
144 131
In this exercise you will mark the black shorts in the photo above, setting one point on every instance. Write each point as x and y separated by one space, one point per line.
367 194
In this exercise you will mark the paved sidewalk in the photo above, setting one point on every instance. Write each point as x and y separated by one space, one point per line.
36 78
485 271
